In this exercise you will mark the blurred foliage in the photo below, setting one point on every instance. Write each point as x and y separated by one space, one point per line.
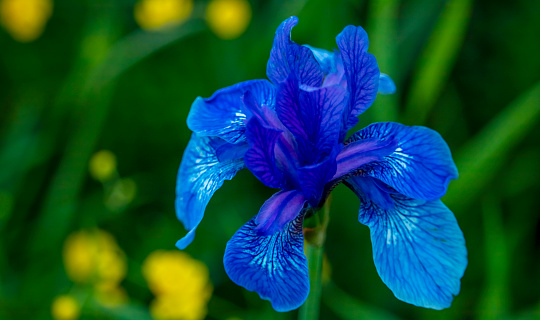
84 77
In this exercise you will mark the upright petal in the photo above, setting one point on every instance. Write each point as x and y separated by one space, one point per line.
361 71
313 117
325 58
418 249
288 57
274 266
199 176
421 166
223 114
260 157
278 211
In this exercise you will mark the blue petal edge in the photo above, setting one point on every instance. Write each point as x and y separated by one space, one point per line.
274 266
386 84
421 166
223 114
361 71
418 249
287 57
199 176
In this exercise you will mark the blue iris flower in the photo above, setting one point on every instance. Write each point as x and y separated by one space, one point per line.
290 133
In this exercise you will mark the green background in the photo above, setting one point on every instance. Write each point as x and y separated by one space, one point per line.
93 80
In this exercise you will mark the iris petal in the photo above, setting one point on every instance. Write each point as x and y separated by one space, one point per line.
223 114
312 179
199 176
369 187
418 249
279 210
361 71
386 84
313 117
358 153
421 166
274 266
288 58
260 157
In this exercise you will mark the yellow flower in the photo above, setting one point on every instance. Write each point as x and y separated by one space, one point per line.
94 257
102 165
181 285
25 19
228 18
65 307
156 14
177 307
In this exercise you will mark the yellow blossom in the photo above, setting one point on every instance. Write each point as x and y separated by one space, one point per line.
181 285
65 307
102 165
25 19
94 257
228 18
177 307
156 14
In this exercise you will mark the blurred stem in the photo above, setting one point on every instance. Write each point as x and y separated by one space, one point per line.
437 60
382 28
494 300
314 248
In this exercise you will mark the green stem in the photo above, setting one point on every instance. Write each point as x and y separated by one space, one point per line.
310 308
314 248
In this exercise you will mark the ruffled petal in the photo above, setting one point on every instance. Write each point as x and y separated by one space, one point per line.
418 249
223 114
260 157
386 84
288 57
274 266
279 210
421 166
199 176
361 71
312 116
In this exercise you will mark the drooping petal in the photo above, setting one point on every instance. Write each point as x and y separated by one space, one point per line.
274 266
418 249
279 210
288 58
223 115
363 185
260 157
421 166
199 176
358 153
361 71
386 84
313 117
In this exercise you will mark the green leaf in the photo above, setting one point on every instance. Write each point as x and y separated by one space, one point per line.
484 155
437 60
